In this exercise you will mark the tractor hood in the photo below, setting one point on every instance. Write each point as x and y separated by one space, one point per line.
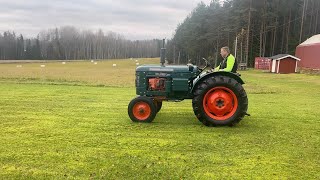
169 69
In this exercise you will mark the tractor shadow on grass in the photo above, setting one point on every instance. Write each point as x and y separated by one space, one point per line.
190 120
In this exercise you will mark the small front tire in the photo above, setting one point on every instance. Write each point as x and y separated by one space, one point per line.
142 109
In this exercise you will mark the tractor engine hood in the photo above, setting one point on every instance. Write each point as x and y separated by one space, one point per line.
168 69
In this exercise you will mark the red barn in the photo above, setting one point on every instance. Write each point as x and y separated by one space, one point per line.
309 53
284 64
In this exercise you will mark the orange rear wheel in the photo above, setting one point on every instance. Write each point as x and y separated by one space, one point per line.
220 100
220 103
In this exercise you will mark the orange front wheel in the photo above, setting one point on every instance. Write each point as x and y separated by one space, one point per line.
142 109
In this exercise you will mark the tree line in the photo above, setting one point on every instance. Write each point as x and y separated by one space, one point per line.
69 43
251 28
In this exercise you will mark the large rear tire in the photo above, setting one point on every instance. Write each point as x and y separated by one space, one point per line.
220 100
142 109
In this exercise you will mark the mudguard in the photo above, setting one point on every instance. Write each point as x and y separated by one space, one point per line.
218 73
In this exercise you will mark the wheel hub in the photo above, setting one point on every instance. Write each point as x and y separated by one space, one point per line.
141 111
220 103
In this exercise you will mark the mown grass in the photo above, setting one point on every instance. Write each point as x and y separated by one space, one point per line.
62 124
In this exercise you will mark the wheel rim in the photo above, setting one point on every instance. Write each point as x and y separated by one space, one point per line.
220 103
141 111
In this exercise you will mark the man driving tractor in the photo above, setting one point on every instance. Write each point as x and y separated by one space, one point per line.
229 63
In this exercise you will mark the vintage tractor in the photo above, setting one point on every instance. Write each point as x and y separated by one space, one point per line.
218 98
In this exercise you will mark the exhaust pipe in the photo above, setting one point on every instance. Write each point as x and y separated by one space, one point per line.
163 53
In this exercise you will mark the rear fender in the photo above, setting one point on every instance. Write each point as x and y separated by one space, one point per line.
213 74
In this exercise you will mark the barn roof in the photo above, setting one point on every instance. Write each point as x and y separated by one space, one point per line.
313 40
283 56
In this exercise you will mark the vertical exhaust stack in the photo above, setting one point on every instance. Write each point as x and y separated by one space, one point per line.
163 53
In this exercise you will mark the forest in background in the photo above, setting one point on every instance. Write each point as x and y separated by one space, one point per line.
69 43
260 28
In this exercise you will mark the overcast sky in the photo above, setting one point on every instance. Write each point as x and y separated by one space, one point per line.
135 19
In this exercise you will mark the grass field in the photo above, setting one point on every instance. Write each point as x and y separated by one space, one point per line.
70 121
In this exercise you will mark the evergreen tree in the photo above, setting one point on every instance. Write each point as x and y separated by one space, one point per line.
261 27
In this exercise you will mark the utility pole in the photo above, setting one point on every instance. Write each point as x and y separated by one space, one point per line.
302 19
248 33
236 47
174 53
317 15
216 61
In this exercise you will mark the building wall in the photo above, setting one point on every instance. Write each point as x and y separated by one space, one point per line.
272 66
309 55
262 63
287 65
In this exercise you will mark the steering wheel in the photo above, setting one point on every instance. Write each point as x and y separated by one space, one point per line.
206 66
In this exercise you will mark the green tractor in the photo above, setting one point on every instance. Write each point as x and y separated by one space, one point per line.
218 98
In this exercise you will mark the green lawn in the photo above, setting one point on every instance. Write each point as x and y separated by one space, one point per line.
54 128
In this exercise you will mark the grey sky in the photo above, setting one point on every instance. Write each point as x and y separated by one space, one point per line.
135 19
